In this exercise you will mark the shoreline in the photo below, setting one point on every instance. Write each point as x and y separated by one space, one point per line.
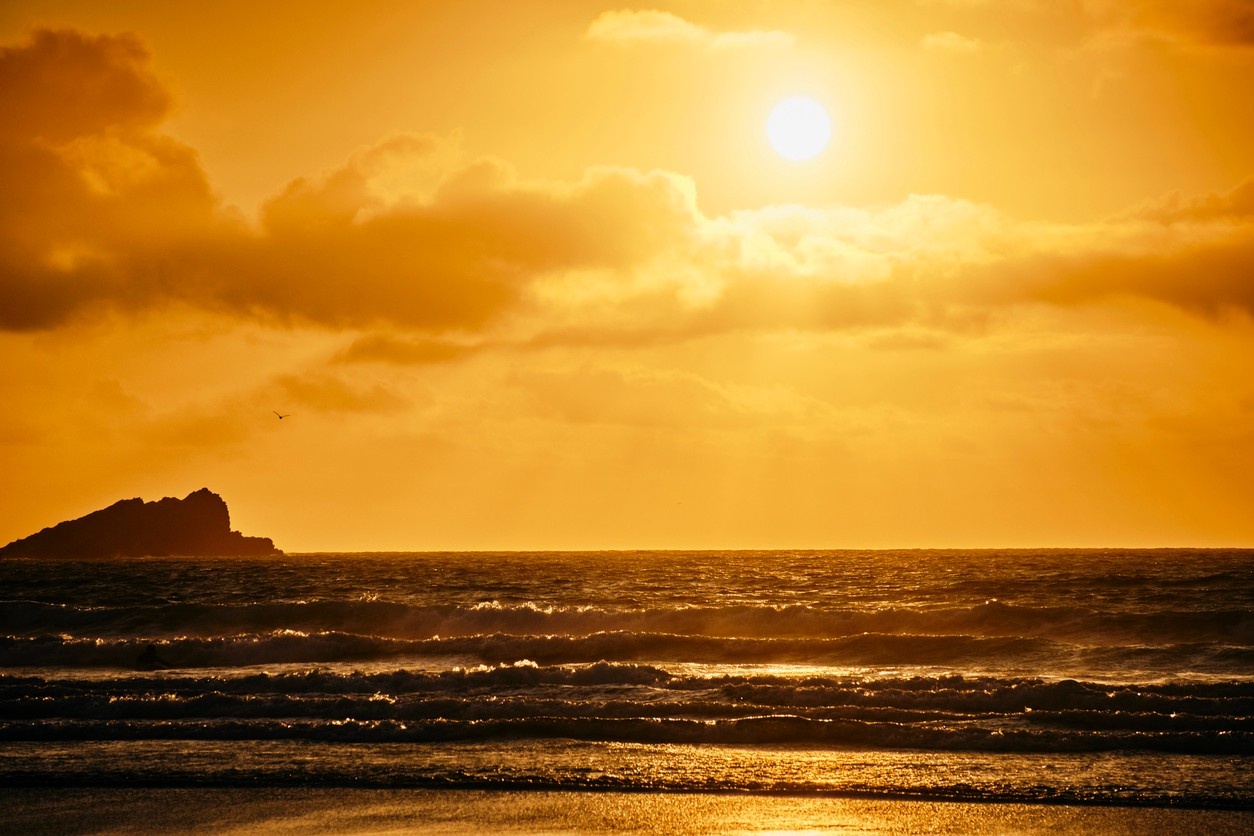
104 810
45 783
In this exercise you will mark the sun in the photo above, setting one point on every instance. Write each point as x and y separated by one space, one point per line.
799 128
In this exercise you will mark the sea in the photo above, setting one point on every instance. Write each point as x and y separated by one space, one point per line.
1079 677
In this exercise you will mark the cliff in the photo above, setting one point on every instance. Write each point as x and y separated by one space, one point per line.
199 524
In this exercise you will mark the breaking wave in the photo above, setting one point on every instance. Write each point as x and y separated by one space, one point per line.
637 703
1146 657
414 622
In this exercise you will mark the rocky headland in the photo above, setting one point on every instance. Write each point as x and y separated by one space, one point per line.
197 525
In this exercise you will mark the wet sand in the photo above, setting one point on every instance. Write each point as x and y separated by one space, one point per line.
350 811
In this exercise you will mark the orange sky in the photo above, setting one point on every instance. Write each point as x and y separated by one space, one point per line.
529 275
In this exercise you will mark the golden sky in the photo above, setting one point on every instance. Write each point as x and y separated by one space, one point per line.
530 275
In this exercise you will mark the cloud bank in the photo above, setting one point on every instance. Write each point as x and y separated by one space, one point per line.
105 212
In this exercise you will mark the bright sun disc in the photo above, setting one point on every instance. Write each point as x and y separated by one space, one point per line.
798 128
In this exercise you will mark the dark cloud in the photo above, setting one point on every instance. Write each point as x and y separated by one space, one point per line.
1211 278
62 84
1215 22
103 210
90 189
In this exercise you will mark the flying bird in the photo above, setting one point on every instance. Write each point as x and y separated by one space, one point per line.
281 417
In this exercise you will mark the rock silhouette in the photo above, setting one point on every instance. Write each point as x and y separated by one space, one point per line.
198 524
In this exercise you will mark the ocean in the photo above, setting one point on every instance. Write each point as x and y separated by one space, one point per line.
1080 677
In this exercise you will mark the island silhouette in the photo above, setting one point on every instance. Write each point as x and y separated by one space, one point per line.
197 525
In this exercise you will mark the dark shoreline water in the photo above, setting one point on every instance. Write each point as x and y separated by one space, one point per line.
358 811
1092 677
562 766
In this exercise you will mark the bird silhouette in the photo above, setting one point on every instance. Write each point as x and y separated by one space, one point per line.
281 417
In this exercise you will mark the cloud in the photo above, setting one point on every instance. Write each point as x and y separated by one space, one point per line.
951 42
104 212
63 84
330 252
651 26
1233 207
1228 23
382 348
1117 24
84 173
327 393
1194 252
930 262
1203 273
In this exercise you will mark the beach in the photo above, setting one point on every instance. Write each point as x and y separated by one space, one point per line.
350 811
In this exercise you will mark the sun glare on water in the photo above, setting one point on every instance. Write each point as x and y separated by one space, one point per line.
799 128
